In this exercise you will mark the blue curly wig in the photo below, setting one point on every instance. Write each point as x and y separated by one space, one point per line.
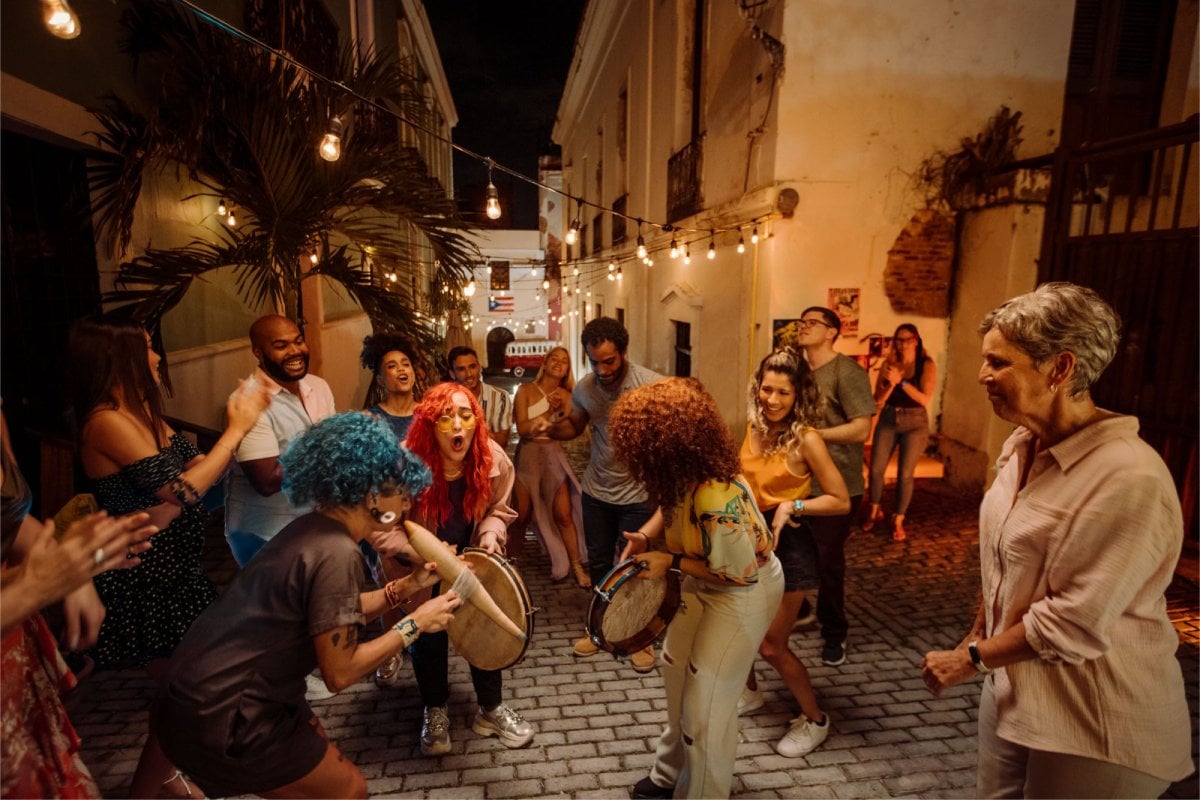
344 458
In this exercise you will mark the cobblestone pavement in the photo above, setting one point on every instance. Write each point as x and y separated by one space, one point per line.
598 721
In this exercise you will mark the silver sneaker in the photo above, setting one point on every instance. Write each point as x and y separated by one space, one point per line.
435 731
387 675
505 723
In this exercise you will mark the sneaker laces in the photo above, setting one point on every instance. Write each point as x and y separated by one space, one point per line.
437 721
505 714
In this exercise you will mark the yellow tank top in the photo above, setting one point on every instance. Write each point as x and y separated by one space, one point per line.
770 479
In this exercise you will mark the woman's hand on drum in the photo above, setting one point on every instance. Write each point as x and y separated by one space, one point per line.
488 540
657 562
435 614
636 543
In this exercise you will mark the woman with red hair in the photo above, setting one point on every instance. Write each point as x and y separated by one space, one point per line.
467 505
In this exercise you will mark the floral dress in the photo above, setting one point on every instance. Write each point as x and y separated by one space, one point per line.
151 606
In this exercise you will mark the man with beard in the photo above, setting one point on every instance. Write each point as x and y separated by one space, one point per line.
613 502
255 509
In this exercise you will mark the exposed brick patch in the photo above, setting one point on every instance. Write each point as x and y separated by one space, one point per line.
917 277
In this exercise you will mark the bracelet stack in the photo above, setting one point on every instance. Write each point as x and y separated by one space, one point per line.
391 593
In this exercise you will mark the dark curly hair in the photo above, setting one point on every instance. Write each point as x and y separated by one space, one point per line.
605 329
671 437
378 345
344 458
806 411
434 505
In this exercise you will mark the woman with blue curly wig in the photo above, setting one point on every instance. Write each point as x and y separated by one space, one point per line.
233 715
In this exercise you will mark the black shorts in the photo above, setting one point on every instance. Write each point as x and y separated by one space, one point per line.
797 552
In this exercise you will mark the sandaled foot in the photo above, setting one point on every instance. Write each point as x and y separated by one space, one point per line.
898 534
582 579
178 786
873 516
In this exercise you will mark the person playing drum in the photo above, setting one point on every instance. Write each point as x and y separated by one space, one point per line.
674 442
780 456
466 505
233 714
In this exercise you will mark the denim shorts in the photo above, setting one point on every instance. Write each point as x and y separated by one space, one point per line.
797 552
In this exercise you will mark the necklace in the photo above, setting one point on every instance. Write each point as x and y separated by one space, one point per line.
453 473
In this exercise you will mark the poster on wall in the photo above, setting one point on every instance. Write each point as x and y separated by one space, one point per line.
845 303
784 333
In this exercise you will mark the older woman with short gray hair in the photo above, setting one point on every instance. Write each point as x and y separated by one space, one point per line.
1078 538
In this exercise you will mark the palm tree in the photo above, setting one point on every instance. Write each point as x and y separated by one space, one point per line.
243 124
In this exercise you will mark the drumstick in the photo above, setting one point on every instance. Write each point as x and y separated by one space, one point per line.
431 548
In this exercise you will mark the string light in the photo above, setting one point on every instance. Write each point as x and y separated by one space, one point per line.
469 289
313 257
331 143
754 235
674 248
619 275
641 242
687 254
60 19
612 265
576 269
741 244
492 208
573 231
230 220
712 246
545 284
221 210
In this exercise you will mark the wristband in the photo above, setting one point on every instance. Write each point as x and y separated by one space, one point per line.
391 594
678 557
973 652
407 628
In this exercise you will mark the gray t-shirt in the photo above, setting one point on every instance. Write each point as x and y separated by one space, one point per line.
605 477
846 390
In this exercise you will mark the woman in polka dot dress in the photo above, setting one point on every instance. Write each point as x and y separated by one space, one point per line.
135 461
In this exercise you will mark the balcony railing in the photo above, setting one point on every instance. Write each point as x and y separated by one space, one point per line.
683 182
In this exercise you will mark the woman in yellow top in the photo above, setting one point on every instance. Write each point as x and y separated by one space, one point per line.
674 442
781 455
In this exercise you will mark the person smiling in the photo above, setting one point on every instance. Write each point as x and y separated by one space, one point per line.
467 505
780 456
1079 535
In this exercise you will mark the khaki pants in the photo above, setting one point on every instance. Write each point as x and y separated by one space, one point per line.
1010 770
710 648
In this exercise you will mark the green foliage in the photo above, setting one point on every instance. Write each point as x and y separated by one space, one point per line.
244 125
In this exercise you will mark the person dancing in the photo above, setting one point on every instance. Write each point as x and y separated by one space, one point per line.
467 505
233 713
674 442
780 456
542 467
902 395
136 462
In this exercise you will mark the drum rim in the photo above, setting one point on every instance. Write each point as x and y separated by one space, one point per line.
648 635
506 567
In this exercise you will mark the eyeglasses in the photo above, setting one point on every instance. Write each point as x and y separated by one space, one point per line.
808 323
904 339
445 423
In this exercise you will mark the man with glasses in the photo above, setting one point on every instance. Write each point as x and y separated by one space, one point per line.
613 502
849 406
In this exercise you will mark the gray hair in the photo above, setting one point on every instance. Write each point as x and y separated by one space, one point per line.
1058 317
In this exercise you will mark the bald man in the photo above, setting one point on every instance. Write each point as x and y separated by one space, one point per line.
255 509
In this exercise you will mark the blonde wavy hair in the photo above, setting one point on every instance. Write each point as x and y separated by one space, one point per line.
568 380
806 411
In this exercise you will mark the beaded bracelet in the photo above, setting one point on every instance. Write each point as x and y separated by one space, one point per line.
391 594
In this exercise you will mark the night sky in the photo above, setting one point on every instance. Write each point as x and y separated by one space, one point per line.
506 61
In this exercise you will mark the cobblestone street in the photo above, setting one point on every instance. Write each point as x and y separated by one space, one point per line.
598 721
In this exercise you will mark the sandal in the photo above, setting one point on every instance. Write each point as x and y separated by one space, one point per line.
898 534
874 514
187 787
582 579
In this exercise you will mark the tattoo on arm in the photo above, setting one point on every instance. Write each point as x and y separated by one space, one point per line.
351 638
337 637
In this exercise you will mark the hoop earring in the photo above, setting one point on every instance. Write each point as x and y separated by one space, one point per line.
1054 388
386 518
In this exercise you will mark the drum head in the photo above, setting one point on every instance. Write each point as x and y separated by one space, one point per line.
475 637
629 612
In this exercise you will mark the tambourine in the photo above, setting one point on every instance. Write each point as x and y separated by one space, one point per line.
475 634
629 612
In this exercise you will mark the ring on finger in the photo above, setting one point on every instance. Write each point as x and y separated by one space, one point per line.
98 556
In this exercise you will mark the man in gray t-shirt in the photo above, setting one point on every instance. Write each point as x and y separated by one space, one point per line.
849 406
612 501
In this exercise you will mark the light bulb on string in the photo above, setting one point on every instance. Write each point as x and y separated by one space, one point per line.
545 284
469 289
741 244
221 209
573 231
754 235
612 276
649 261
674 249
576 269
60 20
687 254
489 270
331 142
712 246
492 207
313 258
641 242
231 220
612 265
619 275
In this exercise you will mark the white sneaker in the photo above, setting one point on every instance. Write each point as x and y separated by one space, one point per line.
316 688
751 700
803 737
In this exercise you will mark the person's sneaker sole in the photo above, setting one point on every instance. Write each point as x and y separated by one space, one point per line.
834 662
436 749
511 742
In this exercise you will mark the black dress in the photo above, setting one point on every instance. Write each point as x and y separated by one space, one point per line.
151 606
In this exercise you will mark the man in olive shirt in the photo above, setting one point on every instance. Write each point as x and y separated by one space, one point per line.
849 406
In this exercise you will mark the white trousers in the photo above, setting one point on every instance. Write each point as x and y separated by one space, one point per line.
709 650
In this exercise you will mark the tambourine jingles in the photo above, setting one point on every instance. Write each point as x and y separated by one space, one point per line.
629 612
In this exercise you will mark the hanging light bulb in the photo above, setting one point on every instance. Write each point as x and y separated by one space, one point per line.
649 261
612 265
489 270
313 257
641 242
221 210
674 249
60 19
573 231
612 276
712 246
577 269
469 289
619 275
492 208
687 254
230 220
741 244
545 284
331 143
754 235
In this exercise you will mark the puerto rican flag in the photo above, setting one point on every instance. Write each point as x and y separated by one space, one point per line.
501 305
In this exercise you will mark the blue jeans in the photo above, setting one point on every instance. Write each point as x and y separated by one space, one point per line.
908 429
603 524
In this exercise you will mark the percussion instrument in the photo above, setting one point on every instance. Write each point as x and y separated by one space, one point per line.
474 633
629 612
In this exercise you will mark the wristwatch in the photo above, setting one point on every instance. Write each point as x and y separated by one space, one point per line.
973 652
797 508
675 559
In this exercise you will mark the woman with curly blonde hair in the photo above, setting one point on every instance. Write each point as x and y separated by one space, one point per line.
781 456
674 442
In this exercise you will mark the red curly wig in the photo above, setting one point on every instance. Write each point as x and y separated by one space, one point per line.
433 505
672 438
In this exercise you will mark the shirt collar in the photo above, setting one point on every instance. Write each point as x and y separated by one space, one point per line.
1072 449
